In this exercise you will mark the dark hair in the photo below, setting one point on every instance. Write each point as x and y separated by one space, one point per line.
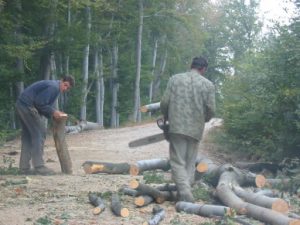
69 79
199 63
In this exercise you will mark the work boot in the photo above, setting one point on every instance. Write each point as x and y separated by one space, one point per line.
26 172
44 171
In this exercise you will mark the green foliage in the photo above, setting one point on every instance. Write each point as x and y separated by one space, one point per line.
43 221
153 177
8 167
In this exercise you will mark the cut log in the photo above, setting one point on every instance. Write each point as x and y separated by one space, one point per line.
275 204
92 167
97 202
228 179
61 145
167 187
281 184
82 126
158 215
203 209
117 207
150 107
143 200
129 191
258 166
159 196
151 164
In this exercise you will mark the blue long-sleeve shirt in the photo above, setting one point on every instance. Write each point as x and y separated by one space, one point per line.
42 96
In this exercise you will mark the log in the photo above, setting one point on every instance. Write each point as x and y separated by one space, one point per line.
150 107
204 210
97 202
129 191
158 215
159 196
150 164
167 187
275 204
82 126
92 167
117 207
228 197
61 144
258 166
143 200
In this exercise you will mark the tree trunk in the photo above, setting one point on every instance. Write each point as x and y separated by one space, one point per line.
154 56
99 87
115 87
97 202
117 207
137 97
61 145
150 107
85 66
157 79
91 167
203 209
158 215
151 164
82 126
159 196
143 200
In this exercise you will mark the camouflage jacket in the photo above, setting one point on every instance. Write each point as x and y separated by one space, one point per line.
188 102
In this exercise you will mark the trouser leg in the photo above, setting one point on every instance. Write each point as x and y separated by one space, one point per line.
178 157
35 129
25 157
192 151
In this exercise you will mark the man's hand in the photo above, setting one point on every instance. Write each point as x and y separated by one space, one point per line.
59 115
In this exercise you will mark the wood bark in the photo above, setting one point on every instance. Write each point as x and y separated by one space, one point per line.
143 200
275 204
117 207
92 167
97 202
114 123
229 198
82 126
150 107
144 189
151 164
158 215
129 191
61 145
258 166
99 87
154 56
203 209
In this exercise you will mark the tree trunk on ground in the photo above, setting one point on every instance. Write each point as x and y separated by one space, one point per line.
158 215
61 145
117 207
97 202
159 196
258 167
151 164
228 197
203 209
91 167
275 204
143 200
129 191
82 126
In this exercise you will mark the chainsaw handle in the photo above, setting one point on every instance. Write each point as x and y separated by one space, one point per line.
160 123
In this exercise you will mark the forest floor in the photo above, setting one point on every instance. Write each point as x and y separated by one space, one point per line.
63 199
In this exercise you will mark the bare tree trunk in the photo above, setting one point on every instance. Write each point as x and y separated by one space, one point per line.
153 71
85 67
156 84
99 86
115 87
137 97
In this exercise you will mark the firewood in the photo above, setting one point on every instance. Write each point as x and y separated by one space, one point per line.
259 166
91 167
227 180
167 187
143 200
117 207
203 209
275 204
129 191
150 107
151 164
97 202
61 145
159 196
158 215
82 126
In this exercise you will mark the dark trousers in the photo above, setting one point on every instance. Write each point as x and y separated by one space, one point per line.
33 136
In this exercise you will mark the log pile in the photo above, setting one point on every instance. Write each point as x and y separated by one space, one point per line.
231 187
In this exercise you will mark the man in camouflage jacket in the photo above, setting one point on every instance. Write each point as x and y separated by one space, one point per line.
188 102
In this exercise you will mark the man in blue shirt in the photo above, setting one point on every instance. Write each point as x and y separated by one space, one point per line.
36 101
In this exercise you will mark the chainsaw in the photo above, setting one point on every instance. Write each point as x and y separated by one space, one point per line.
163 125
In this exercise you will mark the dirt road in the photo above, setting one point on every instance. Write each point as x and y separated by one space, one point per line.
62 199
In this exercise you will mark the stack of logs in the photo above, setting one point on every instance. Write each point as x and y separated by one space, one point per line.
227 179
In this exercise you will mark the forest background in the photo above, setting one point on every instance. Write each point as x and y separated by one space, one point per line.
122 54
